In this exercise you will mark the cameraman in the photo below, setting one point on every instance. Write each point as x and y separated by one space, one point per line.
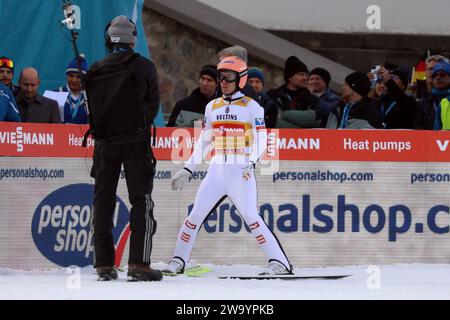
123 100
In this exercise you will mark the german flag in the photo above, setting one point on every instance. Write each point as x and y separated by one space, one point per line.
419 71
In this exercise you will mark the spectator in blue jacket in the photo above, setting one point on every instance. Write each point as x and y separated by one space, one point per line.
7 74
8 108
75 108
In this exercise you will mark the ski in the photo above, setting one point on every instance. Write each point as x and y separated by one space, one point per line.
285 277
197 271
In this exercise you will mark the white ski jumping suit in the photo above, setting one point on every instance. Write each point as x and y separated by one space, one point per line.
235 128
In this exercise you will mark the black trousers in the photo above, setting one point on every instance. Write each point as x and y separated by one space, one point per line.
139 165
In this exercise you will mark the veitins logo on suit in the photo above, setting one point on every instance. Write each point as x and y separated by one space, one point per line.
226 117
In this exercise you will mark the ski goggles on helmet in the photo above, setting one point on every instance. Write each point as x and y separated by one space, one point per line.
8 63
228 77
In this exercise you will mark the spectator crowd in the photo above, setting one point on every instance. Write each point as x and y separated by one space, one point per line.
381 98
23 103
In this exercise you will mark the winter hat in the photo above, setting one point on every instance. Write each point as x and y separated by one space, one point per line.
441 66
75 65
358 82
122 30
323 73
210 70
256 73
292 66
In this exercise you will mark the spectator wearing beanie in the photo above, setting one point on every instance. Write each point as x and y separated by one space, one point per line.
186 111
7 74
428 116
357 111
297 107
295 75
75 108
430 63
397 109
256 80
319 82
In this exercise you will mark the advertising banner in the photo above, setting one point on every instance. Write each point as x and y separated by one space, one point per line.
327 206
38 140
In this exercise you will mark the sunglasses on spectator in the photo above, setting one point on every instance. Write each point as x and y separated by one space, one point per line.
228 77
6 63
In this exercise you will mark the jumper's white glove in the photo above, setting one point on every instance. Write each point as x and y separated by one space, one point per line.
180 179
248 171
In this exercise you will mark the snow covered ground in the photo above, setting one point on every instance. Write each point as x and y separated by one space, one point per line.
414 281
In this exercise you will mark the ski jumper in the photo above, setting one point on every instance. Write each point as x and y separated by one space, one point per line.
236 135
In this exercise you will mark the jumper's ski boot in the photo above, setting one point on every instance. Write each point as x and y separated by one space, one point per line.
277 268
175 266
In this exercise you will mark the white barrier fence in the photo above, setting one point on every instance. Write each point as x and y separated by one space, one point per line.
324 214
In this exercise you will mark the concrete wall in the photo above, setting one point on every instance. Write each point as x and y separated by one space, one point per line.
360 51
179 53
398 16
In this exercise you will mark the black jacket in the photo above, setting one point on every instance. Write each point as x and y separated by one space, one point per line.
364 109
40 110
426 112
301 100
129 109
397 109
270 110
196 102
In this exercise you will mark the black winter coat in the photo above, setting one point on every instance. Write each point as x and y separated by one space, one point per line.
134 104
403 112
196 102
364 109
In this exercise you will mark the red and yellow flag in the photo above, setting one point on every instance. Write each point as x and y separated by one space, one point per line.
419 72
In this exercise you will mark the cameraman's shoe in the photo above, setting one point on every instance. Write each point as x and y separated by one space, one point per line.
143 272
106 273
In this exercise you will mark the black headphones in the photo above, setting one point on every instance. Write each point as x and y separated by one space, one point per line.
108 43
